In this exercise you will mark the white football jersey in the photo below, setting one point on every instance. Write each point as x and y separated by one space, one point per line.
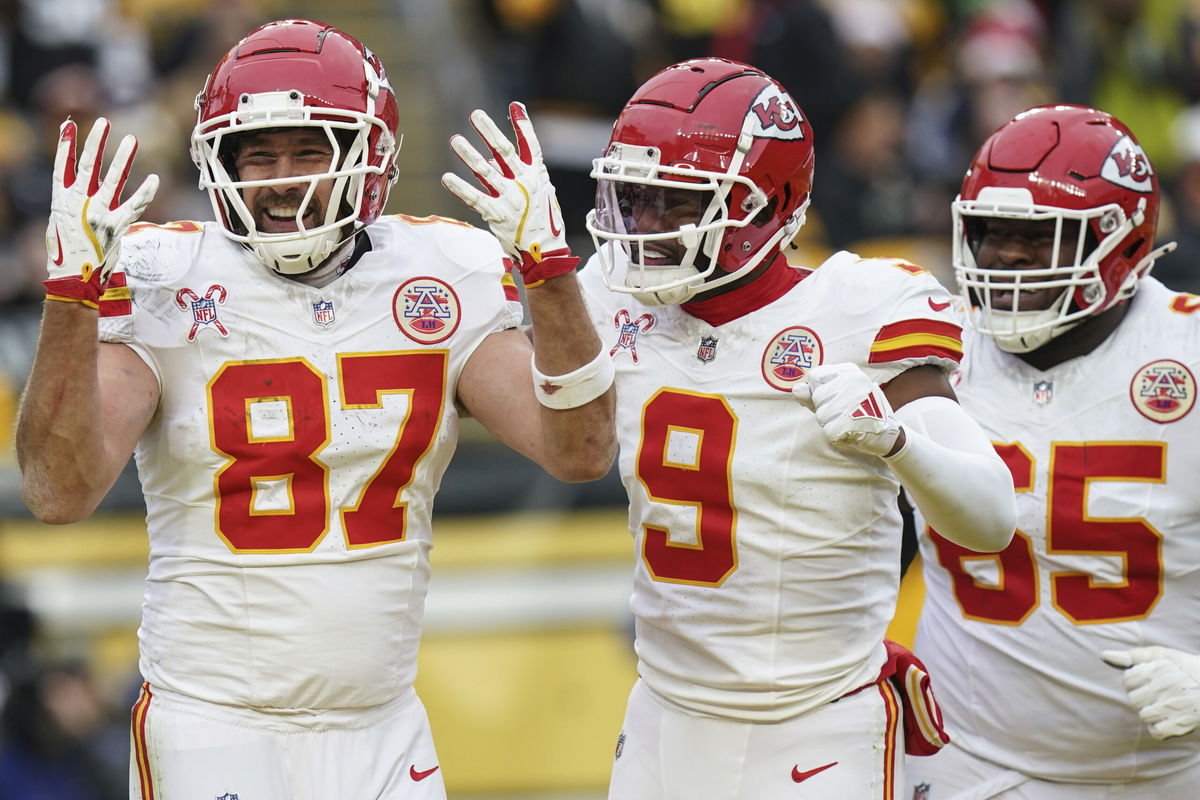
767 560
290 469
1105 455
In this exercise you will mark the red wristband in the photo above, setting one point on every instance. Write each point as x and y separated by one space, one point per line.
551 265
75 290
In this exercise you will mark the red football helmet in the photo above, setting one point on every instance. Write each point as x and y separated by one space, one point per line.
1080 167
724 142
298 73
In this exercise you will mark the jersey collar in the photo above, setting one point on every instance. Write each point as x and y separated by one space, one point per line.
767 287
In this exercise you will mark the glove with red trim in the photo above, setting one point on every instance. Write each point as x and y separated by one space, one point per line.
518 201
87 219
852 410
1163 685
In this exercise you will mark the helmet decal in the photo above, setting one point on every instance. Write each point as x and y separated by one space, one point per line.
1127 165
776 115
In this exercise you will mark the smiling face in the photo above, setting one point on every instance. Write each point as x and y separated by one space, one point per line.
655 209
276 154
1025 245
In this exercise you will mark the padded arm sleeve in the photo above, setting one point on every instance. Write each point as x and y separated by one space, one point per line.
954 476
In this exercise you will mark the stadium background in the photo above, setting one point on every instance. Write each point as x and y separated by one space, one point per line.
526 660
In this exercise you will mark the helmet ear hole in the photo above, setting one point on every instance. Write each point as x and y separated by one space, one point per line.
767 213
1130 251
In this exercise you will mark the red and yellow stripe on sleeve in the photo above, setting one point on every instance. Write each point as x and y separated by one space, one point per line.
510 286
917 338
116 302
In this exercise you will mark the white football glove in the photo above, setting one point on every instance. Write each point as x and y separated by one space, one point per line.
1163 685
852 410
87 219
518 201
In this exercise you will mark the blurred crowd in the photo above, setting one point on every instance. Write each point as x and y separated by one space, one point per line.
900 93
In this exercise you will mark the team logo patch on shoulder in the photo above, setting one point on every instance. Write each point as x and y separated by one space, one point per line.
790 354
426 310
204 309
1163 391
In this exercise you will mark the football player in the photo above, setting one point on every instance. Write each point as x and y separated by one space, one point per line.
290 379
767 415
1082 370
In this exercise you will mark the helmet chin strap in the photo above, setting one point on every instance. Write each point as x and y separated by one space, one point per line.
287 260
673 296
682 294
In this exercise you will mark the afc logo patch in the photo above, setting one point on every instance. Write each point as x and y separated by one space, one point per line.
790 354
426 310
1163 391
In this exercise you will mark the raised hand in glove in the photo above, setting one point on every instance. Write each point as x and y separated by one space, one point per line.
1163 685
852 410
518 201
87 219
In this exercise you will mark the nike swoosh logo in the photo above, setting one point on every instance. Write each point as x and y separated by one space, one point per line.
58 238
938 306
553 230
799 776
423 774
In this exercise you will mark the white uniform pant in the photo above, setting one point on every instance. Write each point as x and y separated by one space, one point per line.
846 750
186 749
954 774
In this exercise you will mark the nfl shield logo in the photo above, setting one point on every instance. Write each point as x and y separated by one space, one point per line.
628 330
707 350
620 746
323 312
1043 392
921 792
204 310
228 797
